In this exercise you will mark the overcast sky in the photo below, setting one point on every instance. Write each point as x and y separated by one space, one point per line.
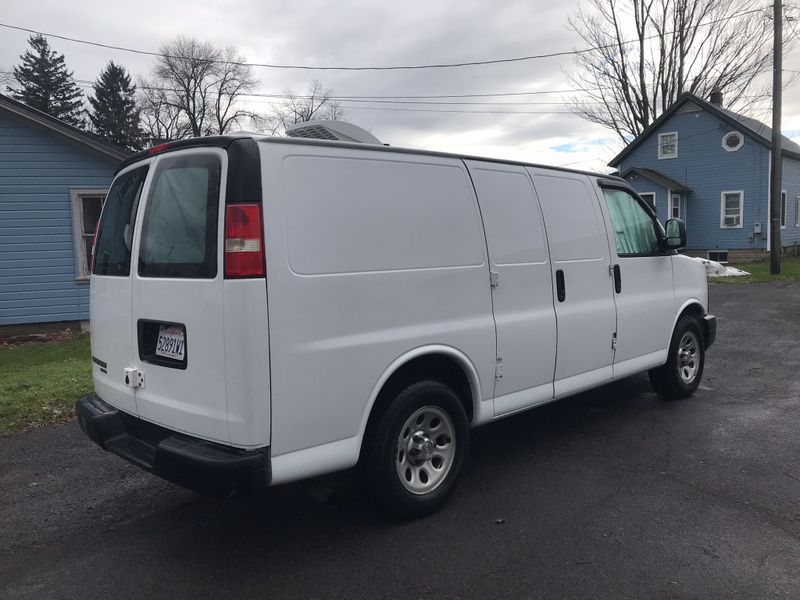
358 32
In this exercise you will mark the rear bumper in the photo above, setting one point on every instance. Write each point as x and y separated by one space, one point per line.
190 462
709 330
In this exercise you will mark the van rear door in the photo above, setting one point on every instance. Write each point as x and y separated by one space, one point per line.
177 296
110 289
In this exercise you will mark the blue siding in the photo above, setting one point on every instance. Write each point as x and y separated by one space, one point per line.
791 185
705 167
38 263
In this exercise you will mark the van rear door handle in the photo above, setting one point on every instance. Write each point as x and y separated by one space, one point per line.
617 278
561 292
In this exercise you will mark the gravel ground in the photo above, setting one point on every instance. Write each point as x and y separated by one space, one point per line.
612 494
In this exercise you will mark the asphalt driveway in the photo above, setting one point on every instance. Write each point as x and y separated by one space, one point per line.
613 493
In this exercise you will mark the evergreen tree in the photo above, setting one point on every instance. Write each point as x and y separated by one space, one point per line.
45 84
114 114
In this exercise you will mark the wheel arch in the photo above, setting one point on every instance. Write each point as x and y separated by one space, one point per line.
692 307
438 362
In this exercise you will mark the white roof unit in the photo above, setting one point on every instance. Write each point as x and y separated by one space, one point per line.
332 130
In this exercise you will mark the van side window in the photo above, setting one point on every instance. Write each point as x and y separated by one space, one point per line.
634 227
112 253
179 233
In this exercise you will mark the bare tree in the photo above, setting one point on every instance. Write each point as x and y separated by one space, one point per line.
196 89
233 80
160 120
645 53
316 103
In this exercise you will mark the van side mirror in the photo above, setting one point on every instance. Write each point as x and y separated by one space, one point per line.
675 234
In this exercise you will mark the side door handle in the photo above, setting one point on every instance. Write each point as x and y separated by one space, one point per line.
617 278
561 291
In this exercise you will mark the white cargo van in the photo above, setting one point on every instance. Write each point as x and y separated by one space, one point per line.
270 309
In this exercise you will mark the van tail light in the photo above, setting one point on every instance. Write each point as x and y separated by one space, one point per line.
244 241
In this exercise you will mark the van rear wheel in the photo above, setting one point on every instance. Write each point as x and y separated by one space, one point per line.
681 374
413 457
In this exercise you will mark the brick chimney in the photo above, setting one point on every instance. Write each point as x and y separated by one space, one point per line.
716 97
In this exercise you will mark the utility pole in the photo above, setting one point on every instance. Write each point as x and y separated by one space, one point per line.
775 175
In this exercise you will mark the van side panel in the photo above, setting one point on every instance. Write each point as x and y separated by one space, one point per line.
369 255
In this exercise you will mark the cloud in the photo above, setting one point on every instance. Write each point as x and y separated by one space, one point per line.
365 32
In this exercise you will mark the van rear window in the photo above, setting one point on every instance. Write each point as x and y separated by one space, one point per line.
112 252
179 233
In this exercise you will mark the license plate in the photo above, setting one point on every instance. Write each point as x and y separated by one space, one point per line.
171 343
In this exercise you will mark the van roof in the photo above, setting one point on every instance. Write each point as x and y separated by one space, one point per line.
223 141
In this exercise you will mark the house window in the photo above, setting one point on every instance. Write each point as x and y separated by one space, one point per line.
668 145
720 256
649 198
783 210
731 210
86 207
675 206
797 211
732 141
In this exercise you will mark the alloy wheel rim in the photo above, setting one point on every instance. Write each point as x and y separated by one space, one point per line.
688 357
425 450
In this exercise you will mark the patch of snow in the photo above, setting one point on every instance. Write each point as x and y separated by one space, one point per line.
715 269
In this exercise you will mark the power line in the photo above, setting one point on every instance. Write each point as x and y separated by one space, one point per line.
488 95
277 101
356 99
460 111
371 68
347 97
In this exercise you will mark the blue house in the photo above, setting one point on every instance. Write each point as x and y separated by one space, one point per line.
53 180
710 167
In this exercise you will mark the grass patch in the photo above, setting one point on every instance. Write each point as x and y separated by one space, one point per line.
759 272
41 382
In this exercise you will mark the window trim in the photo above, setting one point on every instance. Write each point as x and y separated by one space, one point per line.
661 155
784 208
797 211
734 148
75 197
722 209
672 197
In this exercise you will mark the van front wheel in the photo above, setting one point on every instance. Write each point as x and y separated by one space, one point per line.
682 373
413 457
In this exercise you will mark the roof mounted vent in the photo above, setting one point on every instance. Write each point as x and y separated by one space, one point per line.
332 130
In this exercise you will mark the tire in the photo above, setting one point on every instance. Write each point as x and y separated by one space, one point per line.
683 371
413 456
